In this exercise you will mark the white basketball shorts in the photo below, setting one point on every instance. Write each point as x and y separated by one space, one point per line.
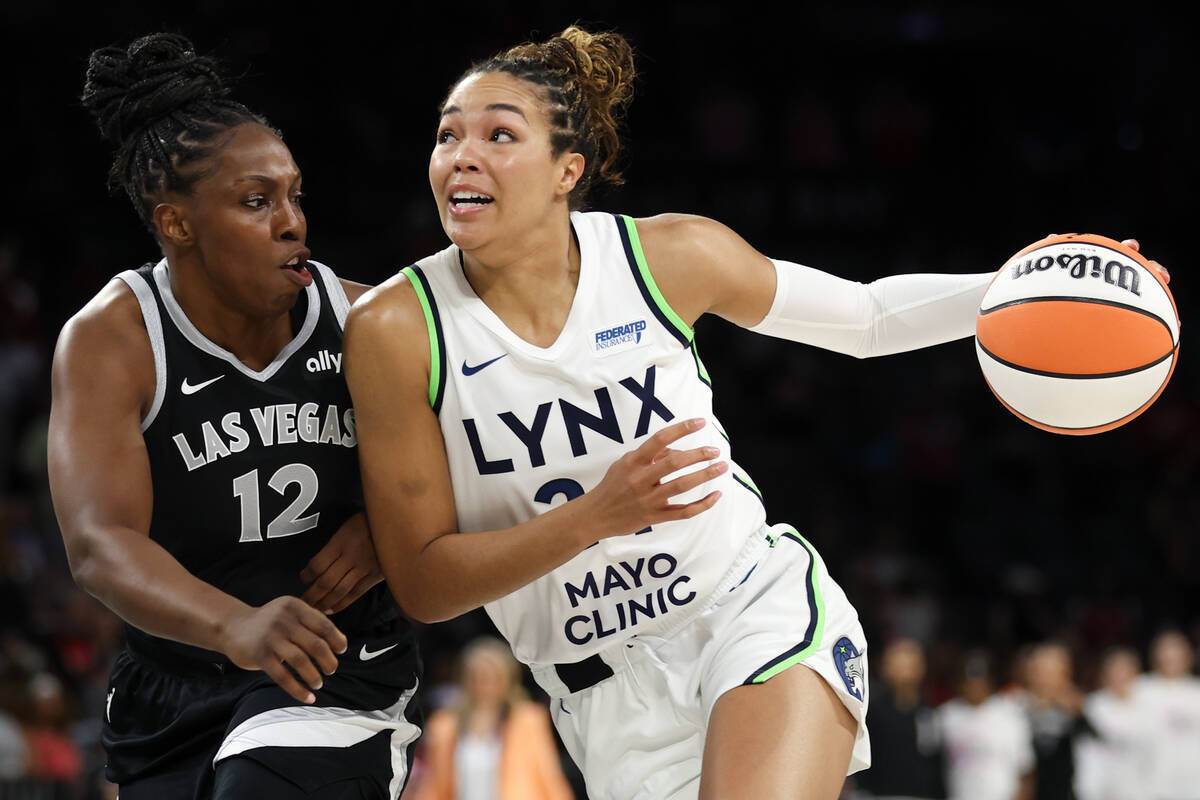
634 717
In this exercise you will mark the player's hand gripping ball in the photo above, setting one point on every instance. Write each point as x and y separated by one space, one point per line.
1077 334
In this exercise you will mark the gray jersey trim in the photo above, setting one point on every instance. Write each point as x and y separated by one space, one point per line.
338 301
163 279
145 298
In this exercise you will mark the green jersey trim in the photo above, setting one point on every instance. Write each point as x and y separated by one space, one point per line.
650 290
433 323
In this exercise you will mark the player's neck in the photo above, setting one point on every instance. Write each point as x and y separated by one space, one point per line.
255 340
529 283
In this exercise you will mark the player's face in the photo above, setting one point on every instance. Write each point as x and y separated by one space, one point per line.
492 171
247 226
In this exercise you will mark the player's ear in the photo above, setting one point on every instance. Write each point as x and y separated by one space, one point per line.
572 170
172 224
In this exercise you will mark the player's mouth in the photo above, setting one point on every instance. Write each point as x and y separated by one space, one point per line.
296 268
468 201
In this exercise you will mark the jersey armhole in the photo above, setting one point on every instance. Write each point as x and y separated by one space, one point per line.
338 302
437 343
145 297
653 296
645 282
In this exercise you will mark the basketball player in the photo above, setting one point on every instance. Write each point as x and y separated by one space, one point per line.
660 612
203 464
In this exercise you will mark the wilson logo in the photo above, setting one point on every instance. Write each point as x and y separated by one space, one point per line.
1079 266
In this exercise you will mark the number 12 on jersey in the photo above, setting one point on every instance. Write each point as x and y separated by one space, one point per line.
289 522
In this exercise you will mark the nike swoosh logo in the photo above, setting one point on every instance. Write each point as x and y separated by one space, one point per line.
367 655
466 370
192 388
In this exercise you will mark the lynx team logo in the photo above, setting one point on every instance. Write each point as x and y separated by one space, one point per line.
850 664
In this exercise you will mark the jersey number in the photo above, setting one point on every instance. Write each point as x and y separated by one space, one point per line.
569 489
289 522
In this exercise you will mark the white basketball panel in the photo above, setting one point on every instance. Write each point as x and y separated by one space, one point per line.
1074 403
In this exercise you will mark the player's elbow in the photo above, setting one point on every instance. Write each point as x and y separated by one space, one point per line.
85 564
424 604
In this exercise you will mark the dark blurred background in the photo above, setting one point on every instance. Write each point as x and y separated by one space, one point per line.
861 138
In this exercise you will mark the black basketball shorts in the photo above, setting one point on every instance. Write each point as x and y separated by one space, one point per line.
177 730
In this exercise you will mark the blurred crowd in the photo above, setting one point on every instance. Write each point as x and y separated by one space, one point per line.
1036 731
1011 582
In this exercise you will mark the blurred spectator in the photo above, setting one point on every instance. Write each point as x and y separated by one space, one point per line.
53 754
1171 699
21 354
1113 764
988 745
906 754
14 756
1054 706
493 743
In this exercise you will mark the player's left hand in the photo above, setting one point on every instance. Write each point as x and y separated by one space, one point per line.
1132 244
344 569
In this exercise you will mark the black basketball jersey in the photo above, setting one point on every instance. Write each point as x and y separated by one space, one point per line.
252 471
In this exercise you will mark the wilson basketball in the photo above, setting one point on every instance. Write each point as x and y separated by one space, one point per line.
1077 334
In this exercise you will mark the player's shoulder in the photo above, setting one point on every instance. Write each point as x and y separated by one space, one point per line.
111 319
688 242
390 308
679 230
104 349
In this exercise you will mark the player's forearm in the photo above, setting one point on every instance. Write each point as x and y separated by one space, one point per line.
148 588
457 572
890 315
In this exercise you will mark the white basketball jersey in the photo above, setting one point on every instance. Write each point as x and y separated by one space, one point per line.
528 428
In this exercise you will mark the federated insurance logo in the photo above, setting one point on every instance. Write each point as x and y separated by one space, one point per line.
619 337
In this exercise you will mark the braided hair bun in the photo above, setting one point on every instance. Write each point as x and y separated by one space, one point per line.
128 89
162 106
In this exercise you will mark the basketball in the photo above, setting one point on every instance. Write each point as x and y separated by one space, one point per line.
1077 334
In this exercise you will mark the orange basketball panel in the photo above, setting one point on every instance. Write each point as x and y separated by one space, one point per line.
1073 337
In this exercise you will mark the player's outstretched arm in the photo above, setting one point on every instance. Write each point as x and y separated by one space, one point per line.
434 571
102 383
704 267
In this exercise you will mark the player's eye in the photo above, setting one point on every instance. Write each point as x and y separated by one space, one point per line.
503 135
445 136
255 201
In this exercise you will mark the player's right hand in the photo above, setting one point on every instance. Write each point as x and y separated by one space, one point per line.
633 495
286 632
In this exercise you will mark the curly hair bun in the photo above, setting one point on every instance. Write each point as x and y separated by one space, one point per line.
602 64
127 89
